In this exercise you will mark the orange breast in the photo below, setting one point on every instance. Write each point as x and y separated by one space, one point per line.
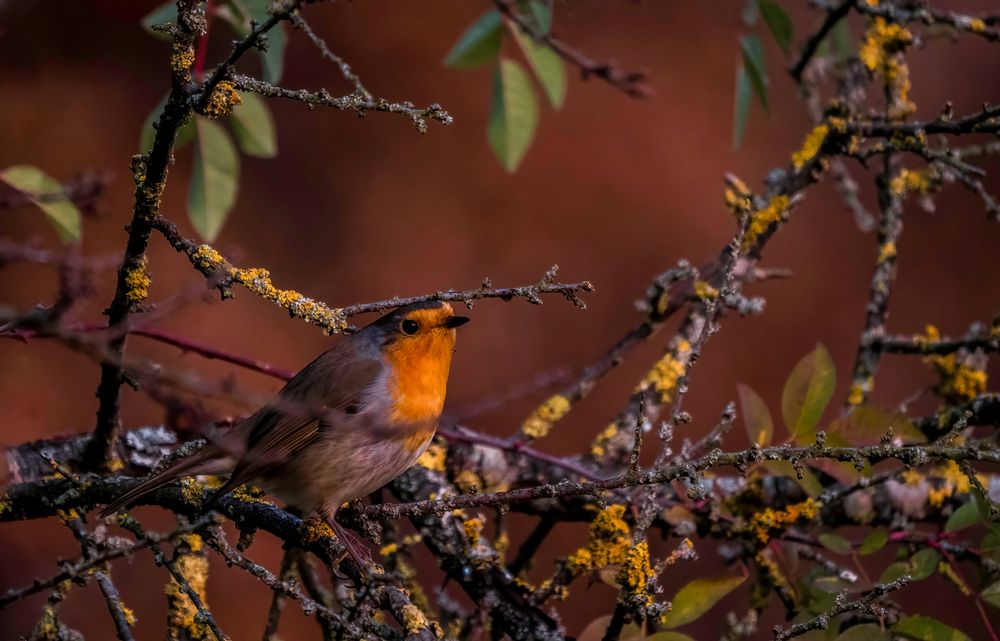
419 376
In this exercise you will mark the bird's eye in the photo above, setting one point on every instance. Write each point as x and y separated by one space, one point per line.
409 327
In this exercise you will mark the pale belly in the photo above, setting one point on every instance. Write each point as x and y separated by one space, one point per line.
336 469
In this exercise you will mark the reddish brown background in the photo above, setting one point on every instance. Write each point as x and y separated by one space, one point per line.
614 190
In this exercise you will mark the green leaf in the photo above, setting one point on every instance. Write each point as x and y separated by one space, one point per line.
513 116
921 628
184 134
273 59
842 42
48 195
548 67
866 425
253 127
835 543
741 105
479 44
920 566
991 594
213 184
778 22
697 597
538 12
966 515
756 417
807 393
166 12
235 15
863 632
753 62
874 542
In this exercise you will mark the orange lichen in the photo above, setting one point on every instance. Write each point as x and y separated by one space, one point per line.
183 614
607 543
769 521
223 100
473 528
434 457
665 373
960 381
600 446
540 421
810 146
761 220
737 196
704 291
137 280
316 529
879 53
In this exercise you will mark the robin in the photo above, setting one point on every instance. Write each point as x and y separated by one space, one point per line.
351 421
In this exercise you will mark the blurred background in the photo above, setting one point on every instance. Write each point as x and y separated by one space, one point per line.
614 190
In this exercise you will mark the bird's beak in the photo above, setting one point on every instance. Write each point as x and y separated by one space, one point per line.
456 321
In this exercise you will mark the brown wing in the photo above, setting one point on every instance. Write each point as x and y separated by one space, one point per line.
329 387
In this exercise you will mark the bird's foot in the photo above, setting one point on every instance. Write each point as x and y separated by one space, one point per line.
353 544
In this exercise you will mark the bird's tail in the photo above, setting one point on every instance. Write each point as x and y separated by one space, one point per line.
197 463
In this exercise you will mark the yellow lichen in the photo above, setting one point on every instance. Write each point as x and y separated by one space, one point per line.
502 544
959 381
607 543
137 280
737 196
667 371
540 421
600 444
223 100
883 41
763 219
206 257
473 528
434 457
858 391
183 615
315 529
467 480
914 181
258 281
811 146
193 541
129 616
912 478
250 494
636 571
704 291
887 252
182 57
769 521
952 481
414 621
192 491
838 124
977 25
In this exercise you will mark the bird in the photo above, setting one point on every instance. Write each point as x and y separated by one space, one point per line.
349 422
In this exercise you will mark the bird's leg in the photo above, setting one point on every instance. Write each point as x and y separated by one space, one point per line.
353 544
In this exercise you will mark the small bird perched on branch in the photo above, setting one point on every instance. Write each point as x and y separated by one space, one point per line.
348 423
